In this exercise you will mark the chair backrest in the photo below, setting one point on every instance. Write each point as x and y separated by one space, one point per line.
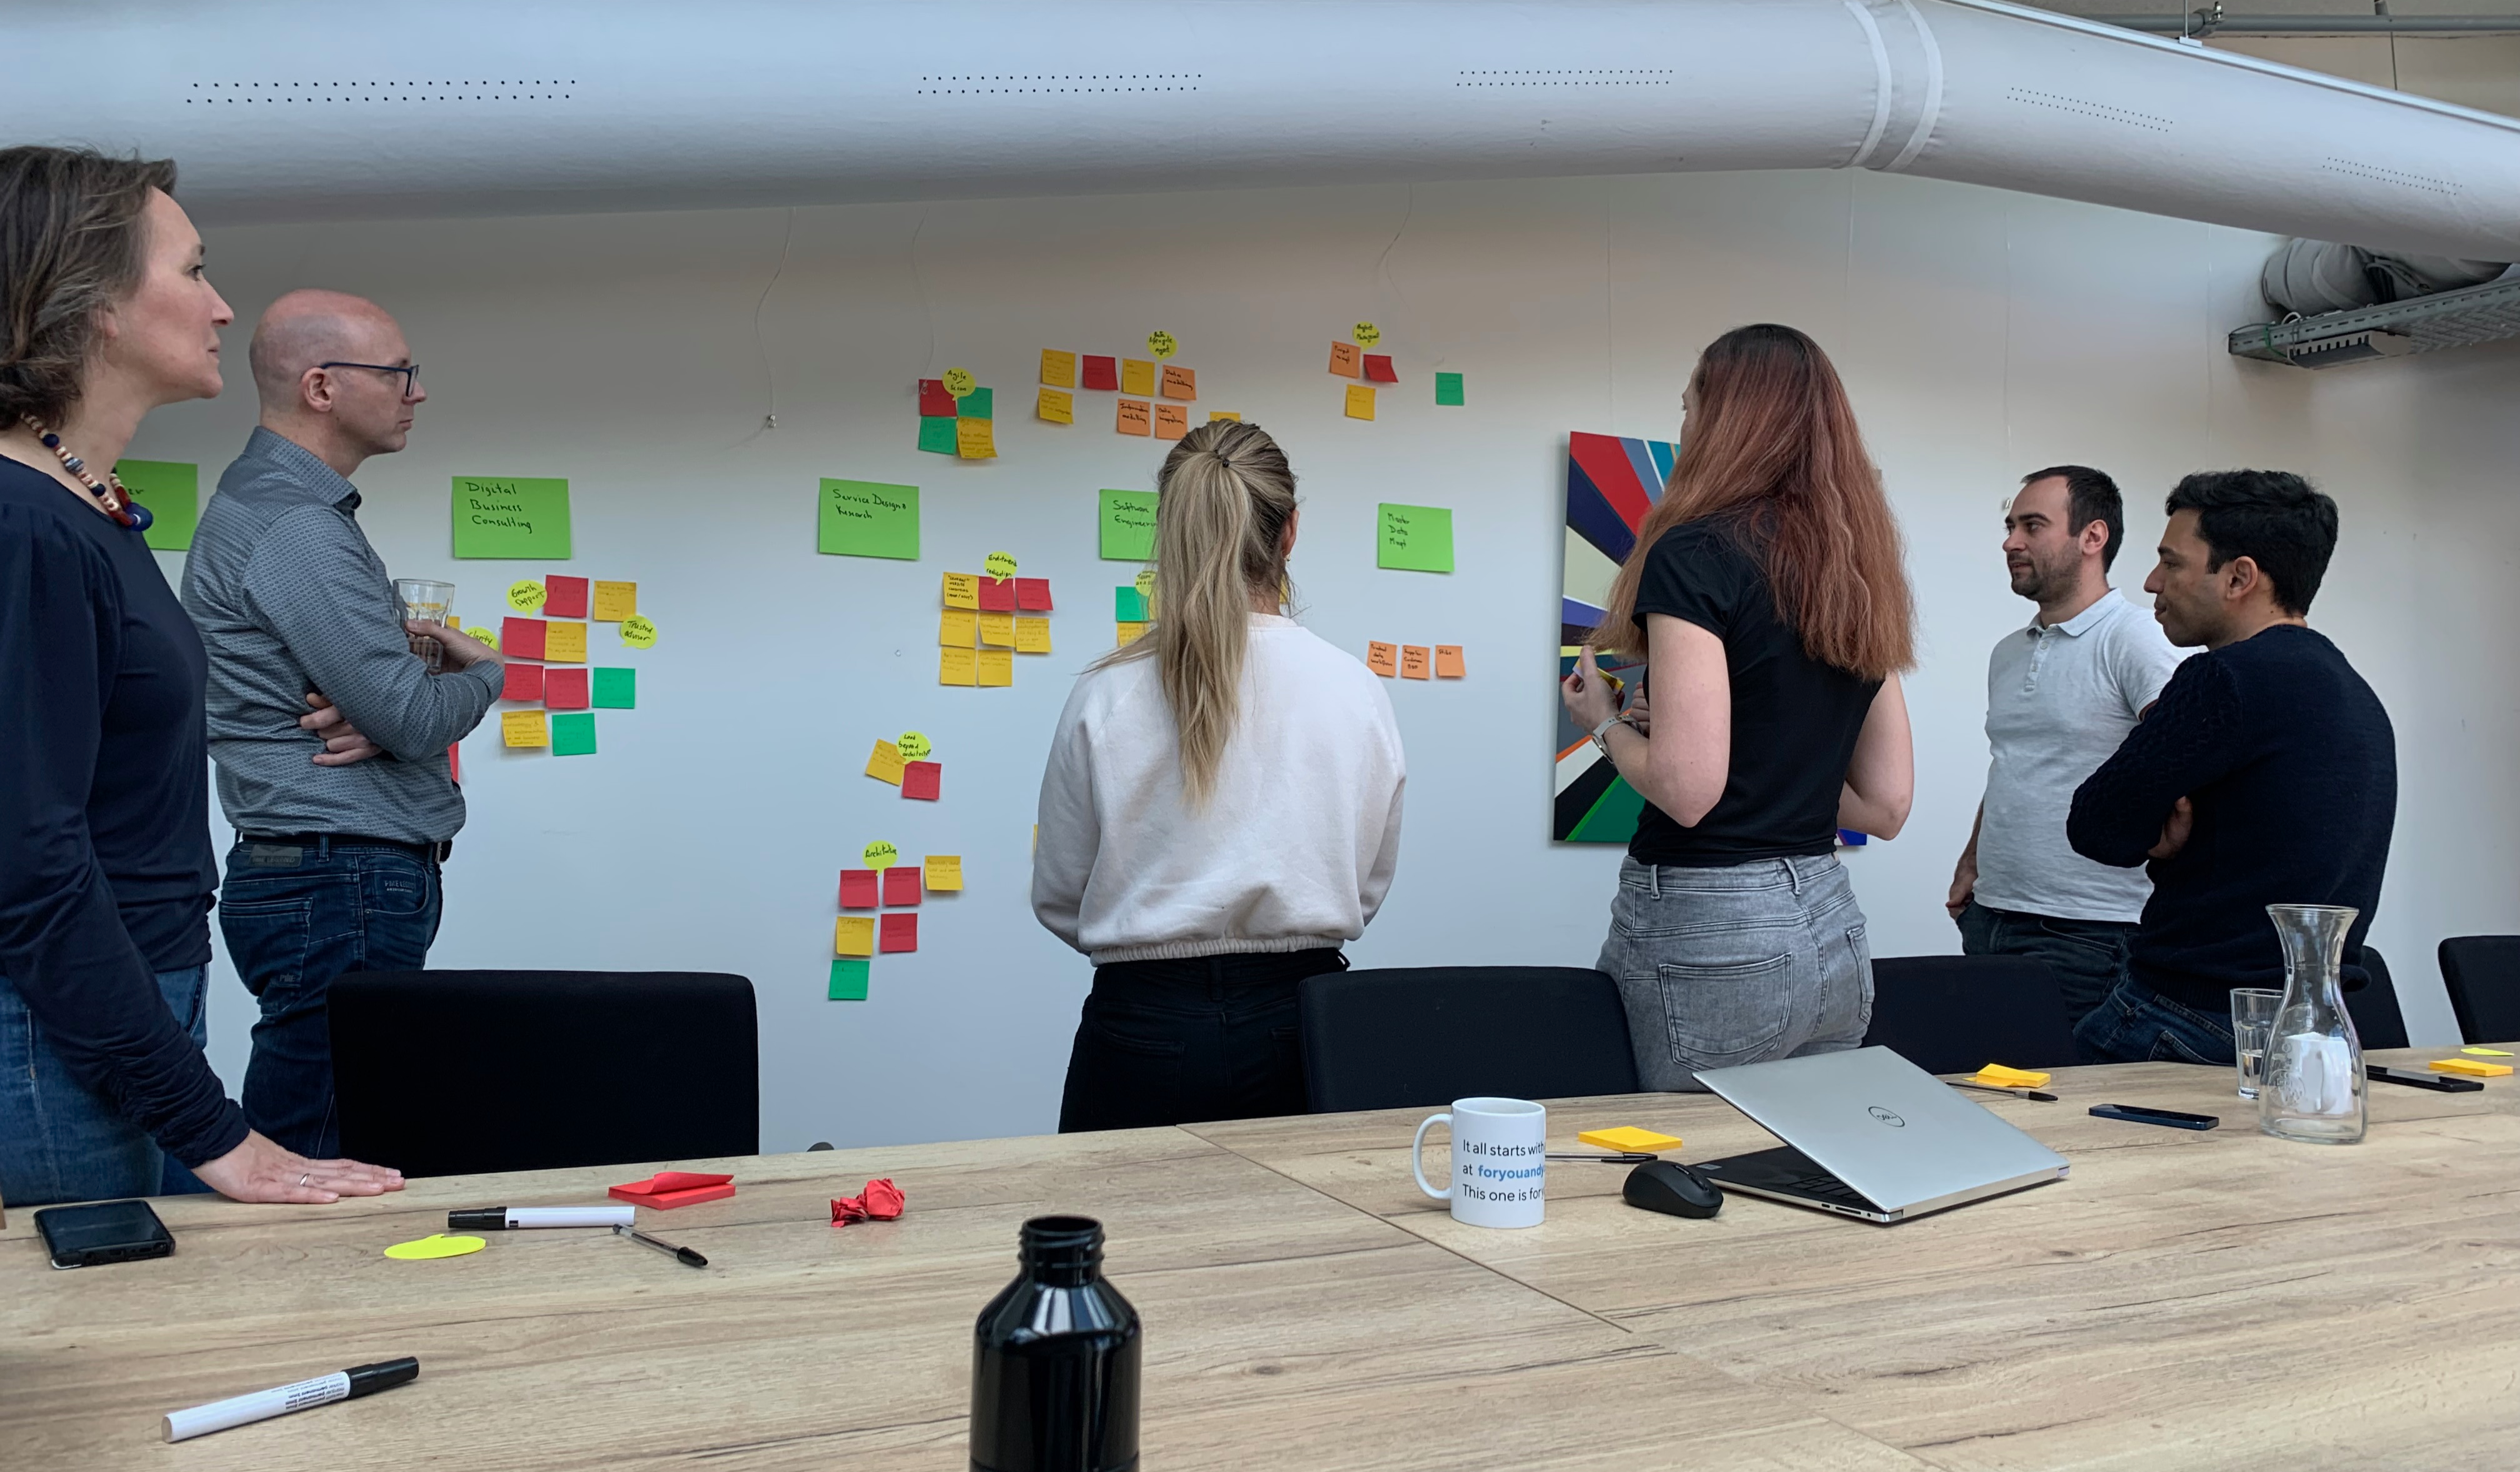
2373 1005
1959 1013
1429 1034
2482 974
444 1073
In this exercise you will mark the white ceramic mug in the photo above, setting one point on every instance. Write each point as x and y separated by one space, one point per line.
1500 1161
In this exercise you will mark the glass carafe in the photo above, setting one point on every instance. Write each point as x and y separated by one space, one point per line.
2313 1087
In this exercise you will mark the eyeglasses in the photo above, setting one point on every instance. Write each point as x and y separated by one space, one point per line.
410 374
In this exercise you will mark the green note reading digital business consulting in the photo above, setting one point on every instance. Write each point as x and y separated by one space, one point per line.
171 489
1128 526
867 519
1415 537
519 517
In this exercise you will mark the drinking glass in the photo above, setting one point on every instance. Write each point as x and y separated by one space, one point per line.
426 603
2253 1019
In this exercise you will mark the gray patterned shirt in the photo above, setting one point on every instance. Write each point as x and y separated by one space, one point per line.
289 598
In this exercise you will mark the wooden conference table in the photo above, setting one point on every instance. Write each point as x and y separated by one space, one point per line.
2184 1300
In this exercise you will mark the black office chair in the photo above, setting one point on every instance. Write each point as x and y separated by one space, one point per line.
1959 1013
2482 974
1429 1034
2374 1003
446 1073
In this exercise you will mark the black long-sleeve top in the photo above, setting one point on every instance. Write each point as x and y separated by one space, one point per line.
2292 767
105 865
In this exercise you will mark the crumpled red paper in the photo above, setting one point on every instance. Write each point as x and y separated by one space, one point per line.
882 1202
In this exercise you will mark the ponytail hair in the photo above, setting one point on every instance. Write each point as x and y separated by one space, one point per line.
1224 500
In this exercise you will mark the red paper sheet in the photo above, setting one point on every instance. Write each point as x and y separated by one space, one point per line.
520 638
1377 369
857 889
1032 595
898 932
667 1189
1101 373
921 780
524 682
565 597
901 886
997 595
882 1202
934 403
565 689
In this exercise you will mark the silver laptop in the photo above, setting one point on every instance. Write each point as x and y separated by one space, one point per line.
1869 1134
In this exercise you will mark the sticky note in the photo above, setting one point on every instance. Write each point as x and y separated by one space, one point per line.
885 764
960 383
1367 334
943 871
1448 661
957 667
2474 1068
616 687
2487 1052
936 436
1413 663
572 735
565 689
901 930
975 439
997 666
914 745
858 888
1413 538
1138 378
1000 565
998 629
848 979
1128 526
1447 389
524 682
1378 370
1054 406
1033 595
1998 1076
1345 359
962 590
1161 344
564 643
880 853
1214 415
997 596
638 632
1180 383
1359 402
922 781
1172 422
521 638
485 635
1128 605
1129 632
1627 1138
853 935
526 595
934 402
1101 373
1058 368
615 601
978 404
565 597
171 489
1032 636
1134 419
510 517
901 886
1383 659
870 519
957 629
523 728
435 1245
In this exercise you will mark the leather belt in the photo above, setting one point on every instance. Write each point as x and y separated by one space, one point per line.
433 853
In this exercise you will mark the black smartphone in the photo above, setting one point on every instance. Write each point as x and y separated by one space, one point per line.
102 1232
2439 1083
2137 1114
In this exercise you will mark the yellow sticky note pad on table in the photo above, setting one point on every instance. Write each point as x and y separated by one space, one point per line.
1359 402
1137 378
1058 368
2000 1077
997 666
1055 406
1629 1138
957 667
435 1245
886 764
615 601
853 935
565 643
963 590
957 629
2474 1068
1032 636
942 870
998 629
523 728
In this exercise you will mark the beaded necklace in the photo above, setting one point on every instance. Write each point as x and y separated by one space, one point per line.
117 501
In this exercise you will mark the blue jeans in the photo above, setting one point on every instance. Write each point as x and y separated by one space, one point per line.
295 916
60 1143
1724 966
2136 1024
2089 957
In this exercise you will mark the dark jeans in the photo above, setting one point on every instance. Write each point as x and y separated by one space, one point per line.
60 1141
295 917
1209 1037
2087 957
2136 1024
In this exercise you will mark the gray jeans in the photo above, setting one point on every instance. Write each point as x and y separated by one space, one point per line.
1722 967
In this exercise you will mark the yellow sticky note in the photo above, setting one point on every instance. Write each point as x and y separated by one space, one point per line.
976 439
1214 415
997 666
527 596
853 935
957 667
638 632
435 1245
886 765
2486 1052
962 590
1032 636
2472 1067
956 629
1359 402
1058 368
565 643
1628 1138
615 601
523 728
2000 1077
1137 378
1130 633
1054 406
942 872
998 629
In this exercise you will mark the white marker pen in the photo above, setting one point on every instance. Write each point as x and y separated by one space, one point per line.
515 1217
242 1410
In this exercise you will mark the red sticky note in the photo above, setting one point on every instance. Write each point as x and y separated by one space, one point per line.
1101 373
667 1189
934 403
857 889
565 597
921 779
1033 595
1378 367
565 689
899 931
997 595
520 638
524 682
901 884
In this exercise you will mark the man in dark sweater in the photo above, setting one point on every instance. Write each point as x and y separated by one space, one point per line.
2265 773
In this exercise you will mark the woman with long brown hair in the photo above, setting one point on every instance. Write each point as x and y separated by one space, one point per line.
1220 811
1767 595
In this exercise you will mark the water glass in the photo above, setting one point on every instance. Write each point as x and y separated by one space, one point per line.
2253 1020
425 602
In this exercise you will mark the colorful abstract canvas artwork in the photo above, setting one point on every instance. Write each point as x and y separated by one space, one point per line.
1610 484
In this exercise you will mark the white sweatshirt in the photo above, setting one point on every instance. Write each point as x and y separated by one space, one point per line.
1296 848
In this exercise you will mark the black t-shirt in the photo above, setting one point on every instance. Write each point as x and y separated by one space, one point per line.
1794 719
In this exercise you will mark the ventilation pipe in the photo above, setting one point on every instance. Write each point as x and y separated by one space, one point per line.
2311 276
297 110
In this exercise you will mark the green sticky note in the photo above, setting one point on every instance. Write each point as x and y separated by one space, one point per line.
510 517
936 436
1128 526
1415 537
867 518
848 979
1447 389
1129 606
573 733
978 404
615 688
171 489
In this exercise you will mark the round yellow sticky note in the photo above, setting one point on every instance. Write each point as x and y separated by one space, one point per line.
525 597
880 855
489 637
999 564
1368 334
1161 344
1147 583
959 382
434 1245
638 632
913 746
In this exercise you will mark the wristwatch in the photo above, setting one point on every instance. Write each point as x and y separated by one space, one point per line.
1602 732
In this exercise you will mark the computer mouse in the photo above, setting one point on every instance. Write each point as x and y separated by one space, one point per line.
1676 1189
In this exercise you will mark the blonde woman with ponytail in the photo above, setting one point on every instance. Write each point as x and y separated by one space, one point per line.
1220 811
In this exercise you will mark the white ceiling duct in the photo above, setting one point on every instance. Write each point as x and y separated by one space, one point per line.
290 109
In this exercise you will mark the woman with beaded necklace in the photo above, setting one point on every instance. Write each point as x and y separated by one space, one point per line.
106 869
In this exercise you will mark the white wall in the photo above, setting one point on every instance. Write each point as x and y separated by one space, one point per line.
1983 335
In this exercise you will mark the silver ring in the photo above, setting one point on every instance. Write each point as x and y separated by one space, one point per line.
302 1179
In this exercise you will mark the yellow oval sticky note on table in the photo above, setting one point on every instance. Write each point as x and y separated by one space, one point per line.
434 1245
638 632
527 596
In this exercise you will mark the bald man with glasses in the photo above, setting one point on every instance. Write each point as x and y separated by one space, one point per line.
328 733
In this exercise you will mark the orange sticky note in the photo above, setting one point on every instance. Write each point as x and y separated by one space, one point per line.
884 766
1032 636
1344 360
997 667
1058 368
957 629
1412 661
1133 416
1056 407
1448 661
976 439
565 643
962 590
1172 422
1180 383
853 935
615 601
1382 658
958 667
998 629
1138 378
1359 402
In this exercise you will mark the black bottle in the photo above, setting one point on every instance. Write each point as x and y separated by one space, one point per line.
1054 1360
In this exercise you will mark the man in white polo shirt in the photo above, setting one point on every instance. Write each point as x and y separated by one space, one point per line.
2060 696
